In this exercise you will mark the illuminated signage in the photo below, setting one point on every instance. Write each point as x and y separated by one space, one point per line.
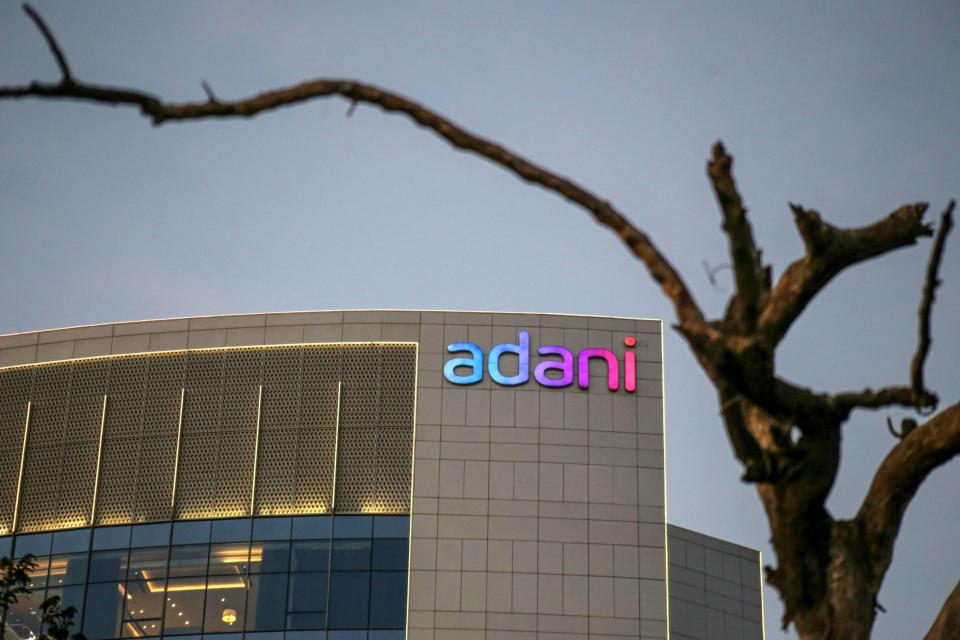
468 369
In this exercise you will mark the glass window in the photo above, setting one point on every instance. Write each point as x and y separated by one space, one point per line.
71 541
312 527
310 556
386 635
188 560
226 597
391 527
141 628
111 537
231 530
271 529
308 593
390 554
23 618
346 635
184 605
191 532
301 620
352 526
388 599
151 535
108 565
229 559
71 597
6 546
351 555
101 618
68 569
269 557
38 577
349 600
266 602
143 605
38 544
148 564
276 635
306 635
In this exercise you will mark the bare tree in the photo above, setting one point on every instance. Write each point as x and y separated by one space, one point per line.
787 437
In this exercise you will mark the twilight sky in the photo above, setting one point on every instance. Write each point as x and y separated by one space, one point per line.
850 109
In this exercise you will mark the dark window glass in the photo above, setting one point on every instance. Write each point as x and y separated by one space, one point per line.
229 559
101 617
144 601
346 635
111 538
266 602
391 527
6 546
38 544
141 628
23 616
148 564
184 606
310 556
38 577
223 636
349 600
352 526
68 569
71 541
306 621
351 555
306 635
189 560
312 527
271 529
226 602
191 532
150 535
390 554
108 565
308 592
388 599
71 597
386 635
273 635
268 557
231 530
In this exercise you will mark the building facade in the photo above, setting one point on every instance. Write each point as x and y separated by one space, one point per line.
355 475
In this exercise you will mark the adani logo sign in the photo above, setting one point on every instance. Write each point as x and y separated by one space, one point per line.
549 373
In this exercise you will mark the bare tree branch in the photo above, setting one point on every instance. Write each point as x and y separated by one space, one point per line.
602 211
930 284
830 250
752 289
899 477
51 42
947 624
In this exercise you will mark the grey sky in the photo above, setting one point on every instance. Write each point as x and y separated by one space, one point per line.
849 109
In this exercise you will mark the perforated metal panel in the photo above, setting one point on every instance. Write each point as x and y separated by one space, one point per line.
15 388
141 477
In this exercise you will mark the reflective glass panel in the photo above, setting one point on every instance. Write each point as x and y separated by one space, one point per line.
268 557
351 555
37 544
148 564
226 600
111 538
23 618
349 600
231 530
38 575
70 597
191 532
68 569
390 554
271 529
266 602
144 600
71 541
150 535
308 592
188 560
310 556
391 527
352 526
306 620
184 605
312 527
101 618
229 559
108 565
388 599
